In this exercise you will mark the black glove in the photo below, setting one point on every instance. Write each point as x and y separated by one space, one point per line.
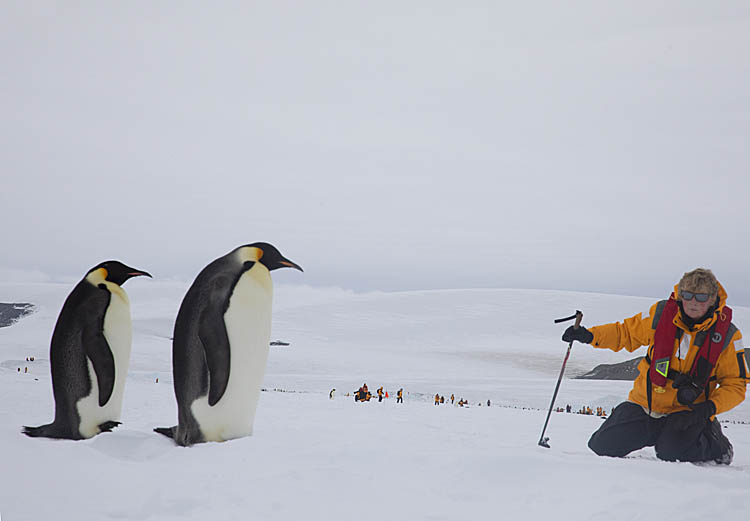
704 409
698 415
581 334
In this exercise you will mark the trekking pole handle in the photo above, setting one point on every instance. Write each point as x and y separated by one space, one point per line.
578 316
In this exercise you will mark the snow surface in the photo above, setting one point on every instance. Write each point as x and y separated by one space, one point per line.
313 458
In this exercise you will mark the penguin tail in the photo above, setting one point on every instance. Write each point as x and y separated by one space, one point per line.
51 430
166 431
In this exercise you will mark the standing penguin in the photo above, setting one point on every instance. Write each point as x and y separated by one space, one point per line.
89 355
220 345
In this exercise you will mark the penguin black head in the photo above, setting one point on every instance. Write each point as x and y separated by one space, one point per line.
270 257
117 272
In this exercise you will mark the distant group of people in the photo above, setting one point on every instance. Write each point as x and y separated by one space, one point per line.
363 394
26 369
439 399
599 411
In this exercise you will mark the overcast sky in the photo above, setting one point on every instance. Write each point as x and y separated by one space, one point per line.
590 145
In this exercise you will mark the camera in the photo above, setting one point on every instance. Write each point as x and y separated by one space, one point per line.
687 389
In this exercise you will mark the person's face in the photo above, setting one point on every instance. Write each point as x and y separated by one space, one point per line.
693 308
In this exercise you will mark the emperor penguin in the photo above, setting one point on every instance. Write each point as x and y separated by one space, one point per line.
220 345
89 355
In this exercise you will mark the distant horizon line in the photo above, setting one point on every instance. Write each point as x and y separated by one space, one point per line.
21 276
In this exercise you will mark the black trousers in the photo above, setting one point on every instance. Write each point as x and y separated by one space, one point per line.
629 428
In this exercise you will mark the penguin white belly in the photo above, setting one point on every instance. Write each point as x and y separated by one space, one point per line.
248 324
118 332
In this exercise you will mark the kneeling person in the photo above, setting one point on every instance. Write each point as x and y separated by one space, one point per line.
695 368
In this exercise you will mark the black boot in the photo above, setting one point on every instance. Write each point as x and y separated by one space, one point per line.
721 447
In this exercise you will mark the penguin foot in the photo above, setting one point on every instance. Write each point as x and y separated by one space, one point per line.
166 431
108 426
50 430
181 436
35 432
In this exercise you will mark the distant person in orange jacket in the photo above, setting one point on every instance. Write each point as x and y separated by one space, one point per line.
400 396
437 399
380 394
695 368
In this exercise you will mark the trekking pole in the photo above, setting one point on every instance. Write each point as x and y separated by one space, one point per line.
578 317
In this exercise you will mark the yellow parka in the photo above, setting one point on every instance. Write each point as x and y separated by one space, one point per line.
731 371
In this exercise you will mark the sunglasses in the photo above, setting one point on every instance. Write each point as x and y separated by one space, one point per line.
688 295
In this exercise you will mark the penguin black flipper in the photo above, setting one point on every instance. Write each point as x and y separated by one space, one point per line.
212 332
98 351
213 335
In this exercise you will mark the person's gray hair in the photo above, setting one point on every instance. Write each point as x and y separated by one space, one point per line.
700 280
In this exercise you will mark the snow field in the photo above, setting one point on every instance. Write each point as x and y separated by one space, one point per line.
313 458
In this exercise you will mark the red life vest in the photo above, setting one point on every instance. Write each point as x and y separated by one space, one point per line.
664 339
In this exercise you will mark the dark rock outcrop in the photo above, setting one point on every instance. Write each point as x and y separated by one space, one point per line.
12 313
623 371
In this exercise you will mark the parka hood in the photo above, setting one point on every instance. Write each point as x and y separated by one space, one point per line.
708 322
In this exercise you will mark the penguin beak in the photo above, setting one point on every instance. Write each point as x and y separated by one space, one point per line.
286 263
139 273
